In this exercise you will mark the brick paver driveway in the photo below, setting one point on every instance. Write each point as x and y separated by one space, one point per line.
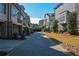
39 45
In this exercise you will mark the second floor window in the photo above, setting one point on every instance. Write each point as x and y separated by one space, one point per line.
20 18
14 11
62 18
1 7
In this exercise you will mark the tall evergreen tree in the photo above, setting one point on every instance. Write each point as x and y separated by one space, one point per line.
71 23
55 26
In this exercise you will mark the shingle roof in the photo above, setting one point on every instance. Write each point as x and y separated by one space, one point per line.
58 5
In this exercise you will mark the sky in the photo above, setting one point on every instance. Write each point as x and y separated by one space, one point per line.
36 11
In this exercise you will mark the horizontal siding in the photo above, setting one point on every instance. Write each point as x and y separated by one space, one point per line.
64 7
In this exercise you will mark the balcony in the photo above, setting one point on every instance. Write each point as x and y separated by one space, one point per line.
19 21
62 21
16 21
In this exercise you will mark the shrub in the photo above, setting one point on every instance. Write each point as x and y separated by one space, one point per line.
22 36
55 26
71 23
15 35
18 36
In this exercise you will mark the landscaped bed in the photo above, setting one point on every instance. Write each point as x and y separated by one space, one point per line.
70 42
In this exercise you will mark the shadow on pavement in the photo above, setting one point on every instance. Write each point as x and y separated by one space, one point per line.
56 41
2 53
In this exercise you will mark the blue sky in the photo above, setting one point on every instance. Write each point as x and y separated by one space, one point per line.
37 10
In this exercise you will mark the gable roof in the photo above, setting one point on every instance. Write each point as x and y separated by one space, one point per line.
58 5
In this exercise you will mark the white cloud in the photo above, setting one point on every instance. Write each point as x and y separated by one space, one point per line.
34 20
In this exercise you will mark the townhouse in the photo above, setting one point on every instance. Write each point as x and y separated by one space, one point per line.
61 12
49 18
26 24
77 11
12 19
3 19
22 21
41 23
16 19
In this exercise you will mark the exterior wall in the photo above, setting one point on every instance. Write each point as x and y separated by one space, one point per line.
3 21
17 29
61 13
3 30
66 6
41 23
0 29
17 22
3 17
49 21
12 23
27 21
15 17
77 9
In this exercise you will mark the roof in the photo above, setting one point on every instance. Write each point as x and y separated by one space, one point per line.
49 14
58 5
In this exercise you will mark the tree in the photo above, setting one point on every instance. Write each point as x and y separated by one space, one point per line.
71 23
55 26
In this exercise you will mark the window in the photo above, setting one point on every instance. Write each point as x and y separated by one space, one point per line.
21 17
18 15
14 11
62 18
1 7
4 8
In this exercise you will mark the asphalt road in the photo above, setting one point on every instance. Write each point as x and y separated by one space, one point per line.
39 45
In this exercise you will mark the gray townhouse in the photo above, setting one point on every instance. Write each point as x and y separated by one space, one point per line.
4 17
77 10
61 12
50 17
26 24
13 19
41 23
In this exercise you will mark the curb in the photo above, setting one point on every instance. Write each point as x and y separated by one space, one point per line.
74 50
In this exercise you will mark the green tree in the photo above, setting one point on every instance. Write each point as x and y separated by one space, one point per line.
55 26
71 23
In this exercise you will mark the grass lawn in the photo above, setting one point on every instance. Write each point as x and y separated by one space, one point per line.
65 38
